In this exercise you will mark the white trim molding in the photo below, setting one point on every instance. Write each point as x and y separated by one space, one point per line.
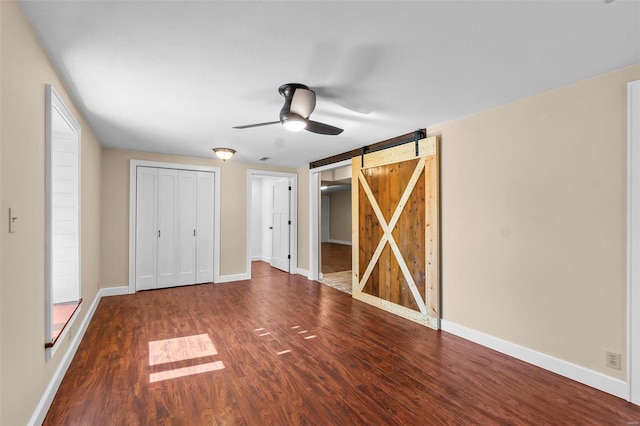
114 291
314 216
633 242
38 415
133 184
260 259
55 106
233 277
564 368
303 272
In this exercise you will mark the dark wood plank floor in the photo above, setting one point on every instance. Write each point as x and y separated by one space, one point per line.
260 269
292 351
335 257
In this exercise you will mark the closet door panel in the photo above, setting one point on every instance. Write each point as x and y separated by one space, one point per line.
167 227
146 228
204 234
186 223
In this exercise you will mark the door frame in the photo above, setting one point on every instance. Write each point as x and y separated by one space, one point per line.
324 219
314 215
633 242
133 185
293 214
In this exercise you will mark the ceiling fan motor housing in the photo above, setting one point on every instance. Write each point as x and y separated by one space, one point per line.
299 102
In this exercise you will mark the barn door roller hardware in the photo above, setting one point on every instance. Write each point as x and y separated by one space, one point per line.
389 143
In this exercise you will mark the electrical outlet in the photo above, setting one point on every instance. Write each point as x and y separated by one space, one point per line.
613 360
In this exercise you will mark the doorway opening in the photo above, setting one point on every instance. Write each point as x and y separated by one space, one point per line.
271 221
330 225
335 228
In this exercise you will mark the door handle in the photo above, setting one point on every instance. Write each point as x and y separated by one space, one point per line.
194 232
158 233
271 227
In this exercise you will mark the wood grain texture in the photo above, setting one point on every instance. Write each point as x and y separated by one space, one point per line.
397 203
335 257
432 233
263 269
298 352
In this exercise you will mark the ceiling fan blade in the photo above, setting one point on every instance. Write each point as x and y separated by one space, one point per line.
248 126
338 94
303 102
321 128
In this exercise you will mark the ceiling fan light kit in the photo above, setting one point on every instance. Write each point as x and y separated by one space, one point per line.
294 123
224 153
299 103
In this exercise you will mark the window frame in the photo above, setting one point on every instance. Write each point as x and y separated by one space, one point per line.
54 104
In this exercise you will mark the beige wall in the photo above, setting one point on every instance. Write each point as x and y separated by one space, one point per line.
24 72
533 221
340 216
115 202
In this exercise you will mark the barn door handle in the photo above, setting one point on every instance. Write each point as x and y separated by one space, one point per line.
158 233
194 232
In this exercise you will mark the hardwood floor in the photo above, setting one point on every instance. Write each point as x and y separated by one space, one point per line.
335 257
282 350
263 269
336 266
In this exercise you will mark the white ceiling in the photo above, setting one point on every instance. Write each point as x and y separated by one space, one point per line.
175 76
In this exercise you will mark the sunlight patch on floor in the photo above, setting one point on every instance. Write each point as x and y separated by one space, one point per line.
180 348
194 347
186 371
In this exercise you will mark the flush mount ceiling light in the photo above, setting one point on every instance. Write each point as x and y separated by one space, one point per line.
293 122
224 153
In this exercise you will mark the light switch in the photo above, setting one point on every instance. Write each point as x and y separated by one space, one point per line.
13 220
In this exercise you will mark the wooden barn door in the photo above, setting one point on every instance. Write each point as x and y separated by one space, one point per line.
396 232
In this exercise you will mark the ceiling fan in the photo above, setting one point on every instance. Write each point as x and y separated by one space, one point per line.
299 102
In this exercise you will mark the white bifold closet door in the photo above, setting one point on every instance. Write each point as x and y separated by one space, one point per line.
147 228
204 222
174 227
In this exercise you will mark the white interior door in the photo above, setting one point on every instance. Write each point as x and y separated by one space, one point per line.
146 228
281 225
186 232
167 227
204 234
324 218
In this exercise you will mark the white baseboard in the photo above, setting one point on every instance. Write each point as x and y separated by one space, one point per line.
346 243
567 369
303 272
232 278
50 392
114 291
261 258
